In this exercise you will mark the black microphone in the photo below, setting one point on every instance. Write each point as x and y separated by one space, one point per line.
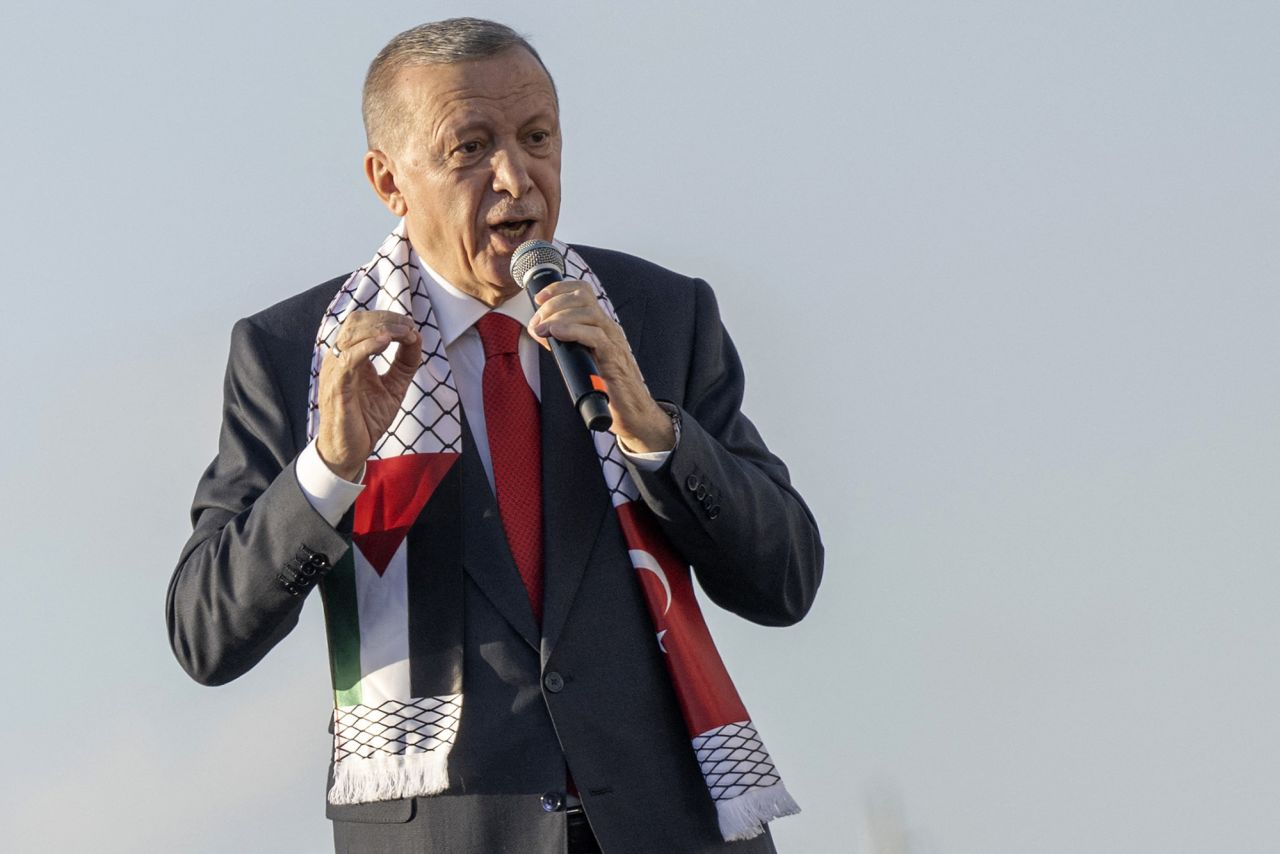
534 265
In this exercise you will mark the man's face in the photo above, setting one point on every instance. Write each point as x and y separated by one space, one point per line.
478 172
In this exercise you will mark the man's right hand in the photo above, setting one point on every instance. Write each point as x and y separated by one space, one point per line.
356 404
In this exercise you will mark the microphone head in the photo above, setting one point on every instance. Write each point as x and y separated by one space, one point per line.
531 255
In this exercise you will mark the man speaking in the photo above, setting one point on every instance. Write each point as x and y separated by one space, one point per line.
518 660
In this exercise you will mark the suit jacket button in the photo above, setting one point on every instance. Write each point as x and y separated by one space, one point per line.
554 682
553 802
692 482
701 492
713 512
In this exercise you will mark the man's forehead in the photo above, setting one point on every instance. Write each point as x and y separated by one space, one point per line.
511 87
507 77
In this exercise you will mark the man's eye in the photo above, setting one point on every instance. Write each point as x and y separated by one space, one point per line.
470 147
538 137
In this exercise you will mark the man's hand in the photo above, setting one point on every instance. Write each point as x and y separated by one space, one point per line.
569 311
356 405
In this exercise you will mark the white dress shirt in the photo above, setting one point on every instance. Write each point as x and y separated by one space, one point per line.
456 314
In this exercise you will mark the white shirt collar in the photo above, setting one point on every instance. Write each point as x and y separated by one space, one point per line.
456 312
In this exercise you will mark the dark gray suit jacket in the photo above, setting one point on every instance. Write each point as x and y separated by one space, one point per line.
590 689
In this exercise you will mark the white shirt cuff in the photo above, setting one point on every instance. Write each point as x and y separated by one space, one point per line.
330 495
651 461
648 461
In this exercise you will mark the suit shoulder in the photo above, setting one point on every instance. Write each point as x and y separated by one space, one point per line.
620 269
298 315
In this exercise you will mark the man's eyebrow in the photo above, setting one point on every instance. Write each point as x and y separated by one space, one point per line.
469 125
544 116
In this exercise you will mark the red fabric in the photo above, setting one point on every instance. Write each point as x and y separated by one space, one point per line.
396 489
515 448
707 697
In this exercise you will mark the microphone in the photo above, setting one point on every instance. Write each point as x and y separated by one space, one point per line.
534 265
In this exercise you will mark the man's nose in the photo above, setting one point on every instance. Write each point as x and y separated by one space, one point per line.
510 174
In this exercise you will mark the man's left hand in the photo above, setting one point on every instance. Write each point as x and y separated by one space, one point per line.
569 311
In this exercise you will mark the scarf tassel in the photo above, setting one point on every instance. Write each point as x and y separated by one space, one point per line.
744 817
384 778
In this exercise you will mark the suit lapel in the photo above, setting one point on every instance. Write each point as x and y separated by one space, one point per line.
575 500
630 314
485 553
575 504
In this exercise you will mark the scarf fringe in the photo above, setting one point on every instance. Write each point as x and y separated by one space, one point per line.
744 817
387 778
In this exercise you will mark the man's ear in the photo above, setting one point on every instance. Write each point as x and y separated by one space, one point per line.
380 170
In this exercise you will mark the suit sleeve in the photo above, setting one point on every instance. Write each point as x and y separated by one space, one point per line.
257 545
724 500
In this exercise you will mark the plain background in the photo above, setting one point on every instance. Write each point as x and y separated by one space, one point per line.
1004 278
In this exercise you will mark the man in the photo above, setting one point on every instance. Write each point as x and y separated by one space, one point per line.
493 573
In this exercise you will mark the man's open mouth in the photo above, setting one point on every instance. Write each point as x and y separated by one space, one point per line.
514 229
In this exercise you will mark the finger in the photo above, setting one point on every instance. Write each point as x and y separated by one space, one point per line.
364 324
379 340
570 307
347 339
581 298
562 287
587 334
408 357
546 345
378 316
590 315
355 356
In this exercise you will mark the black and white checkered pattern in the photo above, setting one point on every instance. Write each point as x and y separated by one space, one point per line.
621 488
394 729
733 761
430 418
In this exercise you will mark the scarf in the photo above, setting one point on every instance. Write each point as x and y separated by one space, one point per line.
391 741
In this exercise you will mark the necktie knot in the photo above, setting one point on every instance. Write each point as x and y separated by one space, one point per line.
499 334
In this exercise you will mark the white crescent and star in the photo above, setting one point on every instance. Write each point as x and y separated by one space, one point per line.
643 560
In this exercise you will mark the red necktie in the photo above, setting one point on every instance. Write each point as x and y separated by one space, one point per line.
515 448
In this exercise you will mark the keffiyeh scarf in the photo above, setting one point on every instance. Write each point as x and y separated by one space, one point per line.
393 741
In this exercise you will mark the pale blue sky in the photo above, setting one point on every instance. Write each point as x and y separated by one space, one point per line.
1004 277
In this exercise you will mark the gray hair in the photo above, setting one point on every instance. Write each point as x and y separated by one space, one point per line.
437 43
